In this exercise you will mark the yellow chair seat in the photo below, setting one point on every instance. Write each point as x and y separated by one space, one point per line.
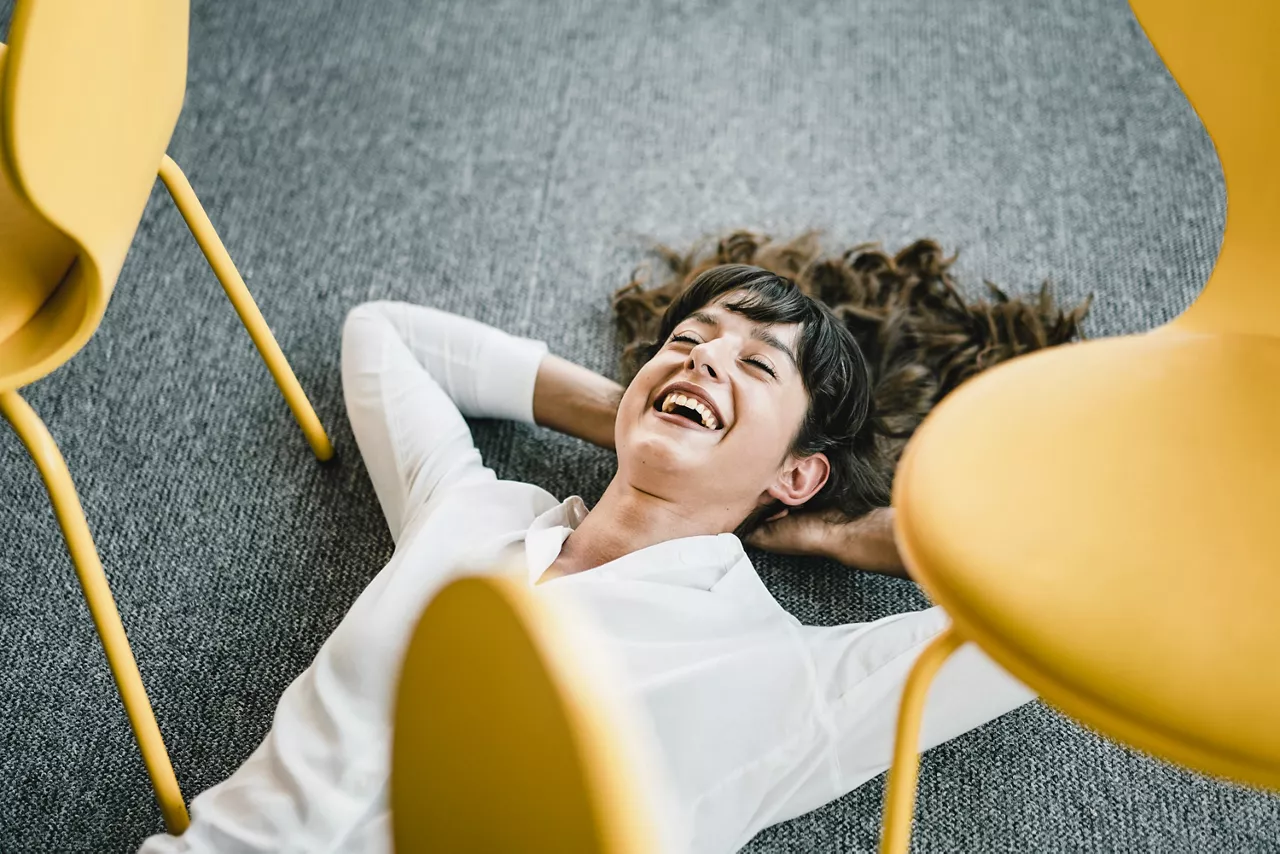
1117 454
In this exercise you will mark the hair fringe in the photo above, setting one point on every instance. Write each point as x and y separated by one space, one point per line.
919 335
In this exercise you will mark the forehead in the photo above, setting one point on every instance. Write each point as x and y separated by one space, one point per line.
719 312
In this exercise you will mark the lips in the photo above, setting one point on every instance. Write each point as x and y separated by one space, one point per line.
690 390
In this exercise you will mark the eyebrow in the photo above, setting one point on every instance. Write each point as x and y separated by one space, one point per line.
758 332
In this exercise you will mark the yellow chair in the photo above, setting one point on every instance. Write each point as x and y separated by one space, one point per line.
505 739
90 96
1103 519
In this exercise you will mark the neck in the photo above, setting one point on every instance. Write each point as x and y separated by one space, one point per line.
627 519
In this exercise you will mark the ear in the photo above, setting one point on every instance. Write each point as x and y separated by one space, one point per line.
800 479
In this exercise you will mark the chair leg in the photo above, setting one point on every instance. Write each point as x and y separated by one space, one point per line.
900 798
97 593
198 221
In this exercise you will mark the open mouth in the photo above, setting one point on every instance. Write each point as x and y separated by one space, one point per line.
688 407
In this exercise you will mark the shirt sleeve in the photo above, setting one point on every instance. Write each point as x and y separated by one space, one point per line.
409 375
861 670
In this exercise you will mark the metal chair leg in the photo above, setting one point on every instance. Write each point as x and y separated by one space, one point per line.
202 229
97 593
900 798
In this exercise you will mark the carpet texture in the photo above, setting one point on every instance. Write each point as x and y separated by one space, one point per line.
509 161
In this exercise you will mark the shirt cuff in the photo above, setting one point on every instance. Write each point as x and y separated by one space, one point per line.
507 376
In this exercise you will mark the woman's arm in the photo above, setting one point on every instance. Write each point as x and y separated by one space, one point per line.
486 372
410 372
865 669
863 543
577 401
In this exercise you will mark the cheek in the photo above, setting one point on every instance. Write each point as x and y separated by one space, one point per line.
752 451
765 422
635 398
762 439
630 404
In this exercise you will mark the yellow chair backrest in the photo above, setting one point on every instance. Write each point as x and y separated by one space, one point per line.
1225 59
34 256
505 738
89 99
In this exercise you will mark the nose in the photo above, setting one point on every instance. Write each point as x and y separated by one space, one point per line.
704 358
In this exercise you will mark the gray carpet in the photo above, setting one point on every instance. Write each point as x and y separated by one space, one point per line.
509 161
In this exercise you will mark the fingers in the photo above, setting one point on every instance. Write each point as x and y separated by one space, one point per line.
785 536
764 537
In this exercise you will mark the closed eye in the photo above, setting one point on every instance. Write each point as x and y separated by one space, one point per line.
759 363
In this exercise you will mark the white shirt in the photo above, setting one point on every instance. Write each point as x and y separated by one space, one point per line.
758 718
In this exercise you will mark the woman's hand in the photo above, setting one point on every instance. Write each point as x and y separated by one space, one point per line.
864 543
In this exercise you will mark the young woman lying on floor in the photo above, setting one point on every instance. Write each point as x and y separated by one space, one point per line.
755 399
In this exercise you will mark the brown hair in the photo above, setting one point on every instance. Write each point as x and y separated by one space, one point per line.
919 336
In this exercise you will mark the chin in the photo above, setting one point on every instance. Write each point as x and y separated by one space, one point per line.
649 455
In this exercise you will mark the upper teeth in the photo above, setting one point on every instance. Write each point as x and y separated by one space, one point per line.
676 399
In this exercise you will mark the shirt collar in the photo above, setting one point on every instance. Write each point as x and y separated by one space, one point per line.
549 530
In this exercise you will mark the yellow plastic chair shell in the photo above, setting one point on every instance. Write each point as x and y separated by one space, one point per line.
1102 518
504 737
89 96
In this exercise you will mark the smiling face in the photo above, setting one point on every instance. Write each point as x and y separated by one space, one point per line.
710 420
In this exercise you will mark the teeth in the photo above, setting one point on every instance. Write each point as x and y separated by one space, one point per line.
704 412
